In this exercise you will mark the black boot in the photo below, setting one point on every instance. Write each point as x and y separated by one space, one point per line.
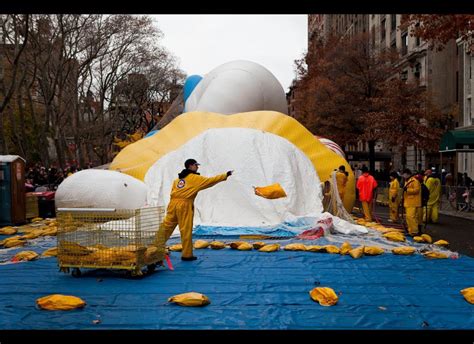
189 258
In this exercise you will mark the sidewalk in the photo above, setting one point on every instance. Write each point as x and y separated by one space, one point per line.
468 215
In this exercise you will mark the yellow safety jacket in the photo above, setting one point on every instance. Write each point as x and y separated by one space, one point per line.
393 190
341 180
412 194
434 185
188 187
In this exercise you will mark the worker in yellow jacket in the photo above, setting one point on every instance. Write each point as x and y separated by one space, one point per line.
180 210
411 201
393 199
341 181
433 183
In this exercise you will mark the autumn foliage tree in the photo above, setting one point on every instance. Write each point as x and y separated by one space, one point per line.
350 92
439 29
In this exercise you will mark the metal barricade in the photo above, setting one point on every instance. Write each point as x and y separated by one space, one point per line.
457 198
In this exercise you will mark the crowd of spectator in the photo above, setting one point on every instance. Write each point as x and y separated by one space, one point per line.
40 178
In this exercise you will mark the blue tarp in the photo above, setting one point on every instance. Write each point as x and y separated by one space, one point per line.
249 290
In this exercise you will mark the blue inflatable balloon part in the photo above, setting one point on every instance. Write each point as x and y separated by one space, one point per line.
151 133
190 84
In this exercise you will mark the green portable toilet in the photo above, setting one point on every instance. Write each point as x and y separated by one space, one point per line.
12 190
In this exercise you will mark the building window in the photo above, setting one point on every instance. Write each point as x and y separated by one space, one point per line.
373 36
457 86
393 44
469 110
417 39
393 22
417 71
382 30
470 68
404 43
404 75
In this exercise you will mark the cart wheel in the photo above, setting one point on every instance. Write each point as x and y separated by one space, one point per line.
76 272
150 268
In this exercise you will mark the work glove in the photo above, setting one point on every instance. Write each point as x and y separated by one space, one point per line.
229 173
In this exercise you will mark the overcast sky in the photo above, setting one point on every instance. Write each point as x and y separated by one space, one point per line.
203 42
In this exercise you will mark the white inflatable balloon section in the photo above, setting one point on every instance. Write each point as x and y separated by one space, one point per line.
258 159
238 86
101 189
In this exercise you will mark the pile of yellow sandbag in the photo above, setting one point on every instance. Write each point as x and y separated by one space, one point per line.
99 255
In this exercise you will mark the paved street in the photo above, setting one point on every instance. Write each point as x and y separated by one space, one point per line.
456 230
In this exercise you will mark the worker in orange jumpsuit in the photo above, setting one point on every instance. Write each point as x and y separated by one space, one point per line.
366 185
341 181
180 210
411 201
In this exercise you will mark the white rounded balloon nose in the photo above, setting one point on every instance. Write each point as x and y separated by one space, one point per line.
238 86
101 189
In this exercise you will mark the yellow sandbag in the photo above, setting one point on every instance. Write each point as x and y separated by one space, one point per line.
399 230
468 294
404 250
357 252
59 302
26 256
316 248
151 254
332 249
436 255
418 239
8 231
176 248
217 245
270 248
295 247
13 242
201 244
427 238
373 250
52 252
394 236
258 245
324 295
32 235
245 247
50 231
441 243
191 299
361 221
37 219
236 244
271 191
345 248
73 249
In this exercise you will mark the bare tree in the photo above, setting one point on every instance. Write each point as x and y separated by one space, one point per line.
14 37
